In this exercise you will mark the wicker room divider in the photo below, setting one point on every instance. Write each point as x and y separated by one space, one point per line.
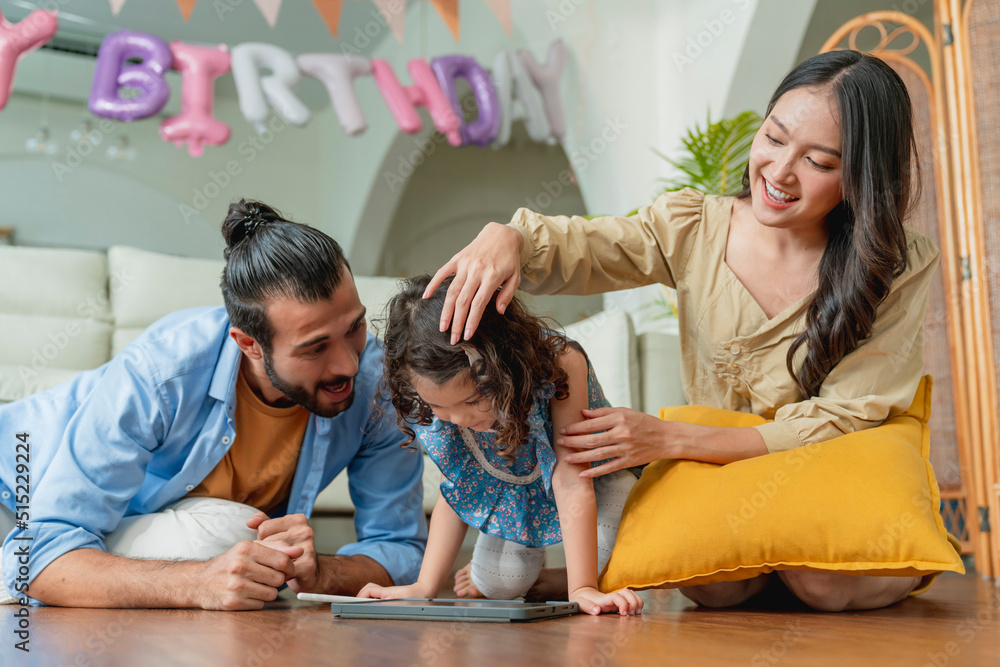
953 79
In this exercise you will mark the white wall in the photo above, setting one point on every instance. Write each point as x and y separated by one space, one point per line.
283 173
624 94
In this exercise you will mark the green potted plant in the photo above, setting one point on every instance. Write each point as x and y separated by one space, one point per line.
712 159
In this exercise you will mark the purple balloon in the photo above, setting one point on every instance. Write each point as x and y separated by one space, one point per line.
485 128
111 74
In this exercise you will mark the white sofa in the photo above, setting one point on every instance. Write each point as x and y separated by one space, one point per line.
63 311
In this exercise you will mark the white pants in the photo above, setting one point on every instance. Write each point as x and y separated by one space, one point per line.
189 529
504 570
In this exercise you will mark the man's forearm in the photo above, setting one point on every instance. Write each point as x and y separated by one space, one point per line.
346 575
93 578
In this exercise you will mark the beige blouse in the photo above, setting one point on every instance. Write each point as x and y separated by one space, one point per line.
733 355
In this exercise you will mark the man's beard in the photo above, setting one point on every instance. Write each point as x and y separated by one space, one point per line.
301 396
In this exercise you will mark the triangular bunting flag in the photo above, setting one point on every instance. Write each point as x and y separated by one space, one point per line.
502 10
448 9
394 13
270 9
186 6
116 6
330 11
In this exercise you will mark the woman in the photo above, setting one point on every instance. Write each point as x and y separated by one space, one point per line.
801 300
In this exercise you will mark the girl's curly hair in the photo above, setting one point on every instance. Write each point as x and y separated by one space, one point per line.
517 354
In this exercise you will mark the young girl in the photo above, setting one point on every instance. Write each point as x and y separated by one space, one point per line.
486 410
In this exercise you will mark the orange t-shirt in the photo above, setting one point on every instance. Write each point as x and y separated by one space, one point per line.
260 464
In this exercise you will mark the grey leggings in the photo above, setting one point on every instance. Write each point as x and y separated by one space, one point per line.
503 570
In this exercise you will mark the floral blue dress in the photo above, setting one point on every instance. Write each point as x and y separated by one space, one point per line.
508 497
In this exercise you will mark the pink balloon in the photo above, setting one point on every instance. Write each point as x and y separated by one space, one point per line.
112 73
194 125
16 39
425 92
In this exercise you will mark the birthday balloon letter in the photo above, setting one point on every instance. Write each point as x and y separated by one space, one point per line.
199 67
113 73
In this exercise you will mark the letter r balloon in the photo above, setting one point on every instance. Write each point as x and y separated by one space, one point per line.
256 92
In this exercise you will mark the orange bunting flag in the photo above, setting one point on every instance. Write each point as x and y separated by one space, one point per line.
330 11
186 7
501 8
116 6
448 9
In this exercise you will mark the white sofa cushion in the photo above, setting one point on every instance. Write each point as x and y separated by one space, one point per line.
17 382
660 358
54 342
610 343
375 292
54 282
146 286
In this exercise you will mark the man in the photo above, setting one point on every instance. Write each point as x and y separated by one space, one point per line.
143 469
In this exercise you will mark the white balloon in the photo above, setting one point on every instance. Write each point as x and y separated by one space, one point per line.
256 93
518 98
546 79
337 71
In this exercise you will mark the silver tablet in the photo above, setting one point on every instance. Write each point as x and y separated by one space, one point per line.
496 611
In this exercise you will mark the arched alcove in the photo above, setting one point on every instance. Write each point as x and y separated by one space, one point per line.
441 197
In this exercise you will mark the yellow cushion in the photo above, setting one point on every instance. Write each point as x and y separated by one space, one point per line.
864 503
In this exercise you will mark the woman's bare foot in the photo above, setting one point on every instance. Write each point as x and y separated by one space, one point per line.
550 585
464 588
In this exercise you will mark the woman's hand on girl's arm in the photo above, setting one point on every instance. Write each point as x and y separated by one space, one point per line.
594 602
491 261
632 438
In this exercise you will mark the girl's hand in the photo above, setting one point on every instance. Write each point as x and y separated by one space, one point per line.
491 261
377 592
630 438
594 602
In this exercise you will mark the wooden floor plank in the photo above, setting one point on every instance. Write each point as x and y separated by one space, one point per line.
956 623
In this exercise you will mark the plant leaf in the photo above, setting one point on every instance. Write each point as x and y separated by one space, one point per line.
715 156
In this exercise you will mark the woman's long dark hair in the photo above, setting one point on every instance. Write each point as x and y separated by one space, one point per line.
866 250
513 356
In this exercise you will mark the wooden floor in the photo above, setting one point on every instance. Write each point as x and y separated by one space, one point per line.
956 623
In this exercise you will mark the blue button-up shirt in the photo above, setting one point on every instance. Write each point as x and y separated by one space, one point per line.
144 429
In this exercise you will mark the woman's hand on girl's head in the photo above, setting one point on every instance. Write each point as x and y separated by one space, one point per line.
594 602
491 261
627 437
377 592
